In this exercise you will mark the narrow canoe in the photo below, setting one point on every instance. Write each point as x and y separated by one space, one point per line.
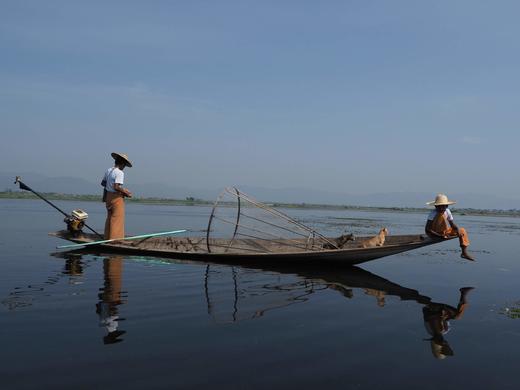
195 248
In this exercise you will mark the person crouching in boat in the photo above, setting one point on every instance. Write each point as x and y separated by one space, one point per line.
115 194
440 224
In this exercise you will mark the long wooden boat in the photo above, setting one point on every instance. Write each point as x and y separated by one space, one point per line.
253 250
259 233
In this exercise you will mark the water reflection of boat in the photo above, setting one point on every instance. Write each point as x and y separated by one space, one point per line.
309 280
237 293
256 296
355 277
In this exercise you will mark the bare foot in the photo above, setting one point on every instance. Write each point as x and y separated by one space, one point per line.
467 256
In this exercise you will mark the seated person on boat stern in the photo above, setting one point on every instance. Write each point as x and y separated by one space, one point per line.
115 194
440 224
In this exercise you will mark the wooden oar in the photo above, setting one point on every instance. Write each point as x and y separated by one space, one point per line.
120 239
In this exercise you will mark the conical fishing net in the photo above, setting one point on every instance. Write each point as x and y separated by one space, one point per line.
241 224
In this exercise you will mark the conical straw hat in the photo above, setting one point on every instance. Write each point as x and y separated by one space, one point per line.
123 156
441 200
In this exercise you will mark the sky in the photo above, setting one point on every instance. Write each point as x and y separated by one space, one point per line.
347 96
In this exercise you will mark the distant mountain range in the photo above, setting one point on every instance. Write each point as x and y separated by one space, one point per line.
73 185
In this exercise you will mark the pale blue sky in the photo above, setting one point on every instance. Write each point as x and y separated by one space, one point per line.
354 96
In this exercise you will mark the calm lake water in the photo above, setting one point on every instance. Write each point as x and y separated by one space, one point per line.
85 321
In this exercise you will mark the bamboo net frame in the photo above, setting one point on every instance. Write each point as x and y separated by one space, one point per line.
256 227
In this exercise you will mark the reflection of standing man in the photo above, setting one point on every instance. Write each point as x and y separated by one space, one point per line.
115 194
110 298
436 320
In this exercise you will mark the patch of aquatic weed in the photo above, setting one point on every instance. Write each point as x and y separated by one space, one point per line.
354 223
336 221
511 311
357 227
361 225
501 228
353 219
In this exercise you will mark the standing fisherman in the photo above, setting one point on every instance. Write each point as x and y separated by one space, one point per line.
115 194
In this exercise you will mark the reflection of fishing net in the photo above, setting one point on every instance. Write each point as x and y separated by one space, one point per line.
253 227
236 294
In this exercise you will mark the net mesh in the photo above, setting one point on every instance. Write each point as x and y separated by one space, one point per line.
255 227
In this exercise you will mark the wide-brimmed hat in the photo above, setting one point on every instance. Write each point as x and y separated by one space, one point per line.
441 200
440 348
122 156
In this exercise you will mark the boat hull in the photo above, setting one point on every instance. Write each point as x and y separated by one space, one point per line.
195 249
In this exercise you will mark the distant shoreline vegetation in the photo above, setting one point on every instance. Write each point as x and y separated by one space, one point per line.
191 201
